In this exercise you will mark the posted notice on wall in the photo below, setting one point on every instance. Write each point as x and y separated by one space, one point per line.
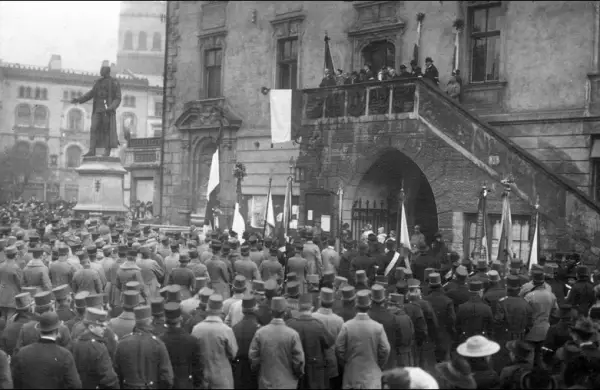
309 215
326 223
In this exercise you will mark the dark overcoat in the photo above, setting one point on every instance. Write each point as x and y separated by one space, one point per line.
184 352
244 331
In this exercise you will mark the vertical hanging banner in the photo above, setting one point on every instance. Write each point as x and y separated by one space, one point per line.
328 58
420 17
534 252
505 243
286 114
481 236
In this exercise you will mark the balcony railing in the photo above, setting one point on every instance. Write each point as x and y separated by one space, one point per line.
356 100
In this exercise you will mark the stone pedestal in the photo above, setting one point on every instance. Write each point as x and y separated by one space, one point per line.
101 186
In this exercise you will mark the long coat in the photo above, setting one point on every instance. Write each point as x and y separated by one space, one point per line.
142 361
8 341
103 132
30 334
87 279
184 352
94 363
218 338
219 276
35 274
312 254
406 336
276 353
11 277
123 324
244 331
333 323
473 318
446 316
151 273
54 367
316 340
391 325
61 272
184 277
363 347
129 272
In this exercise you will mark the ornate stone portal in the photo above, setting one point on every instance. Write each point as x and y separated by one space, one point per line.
101 186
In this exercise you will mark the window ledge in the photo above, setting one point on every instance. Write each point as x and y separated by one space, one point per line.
485 85
488 96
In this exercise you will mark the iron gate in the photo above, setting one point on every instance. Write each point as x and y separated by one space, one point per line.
371 213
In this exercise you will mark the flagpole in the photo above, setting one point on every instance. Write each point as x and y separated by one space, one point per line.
267 208
485 232
536 236
508 227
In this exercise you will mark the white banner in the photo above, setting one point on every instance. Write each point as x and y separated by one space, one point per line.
281 115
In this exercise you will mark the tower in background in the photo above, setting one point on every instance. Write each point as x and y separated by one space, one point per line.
142 37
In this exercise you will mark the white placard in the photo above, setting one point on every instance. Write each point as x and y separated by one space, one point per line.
309 215
326 223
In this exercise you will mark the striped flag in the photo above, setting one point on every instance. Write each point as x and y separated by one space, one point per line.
481 234
287 209
404 237
328 59
505 243
534 251
212 190
269 227
286 114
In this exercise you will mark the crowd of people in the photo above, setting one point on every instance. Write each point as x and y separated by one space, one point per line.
368 74
109 303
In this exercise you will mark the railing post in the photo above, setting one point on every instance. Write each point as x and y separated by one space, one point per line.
367 91
345 103
391 103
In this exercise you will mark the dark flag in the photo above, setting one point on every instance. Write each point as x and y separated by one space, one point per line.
328 59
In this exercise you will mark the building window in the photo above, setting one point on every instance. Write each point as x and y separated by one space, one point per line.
156 42
28 92
23 115
73 156
129 124
39 157
142 44
21 92
44 94
287 63
158 108
128 43
38 93
65 95
379 54
520 235
212 65
40 116
484 23
75 120
22 148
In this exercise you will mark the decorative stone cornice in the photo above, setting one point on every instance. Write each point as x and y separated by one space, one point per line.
207 114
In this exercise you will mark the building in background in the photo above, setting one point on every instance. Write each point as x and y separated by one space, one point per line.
528 109
141 54
37 118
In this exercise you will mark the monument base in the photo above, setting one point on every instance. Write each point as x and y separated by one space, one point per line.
101 186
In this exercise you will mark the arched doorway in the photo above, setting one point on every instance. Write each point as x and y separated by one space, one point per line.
381 185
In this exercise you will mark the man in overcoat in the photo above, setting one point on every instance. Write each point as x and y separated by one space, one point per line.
106 95
243 375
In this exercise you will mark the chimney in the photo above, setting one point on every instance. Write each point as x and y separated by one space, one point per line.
55 62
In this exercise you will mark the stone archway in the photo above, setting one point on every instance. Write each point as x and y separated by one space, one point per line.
381 184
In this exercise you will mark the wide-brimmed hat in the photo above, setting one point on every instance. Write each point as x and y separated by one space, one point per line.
456 373
478 346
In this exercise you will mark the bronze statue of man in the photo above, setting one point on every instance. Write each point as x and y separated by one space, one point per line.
106 93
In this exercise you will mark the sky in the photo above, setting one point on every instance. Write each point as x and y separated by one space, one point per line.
84 33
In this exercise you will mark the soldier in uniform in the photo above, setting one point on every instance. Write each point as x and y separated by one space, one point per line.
197 267
271 268
184 350
200 313
443 308
63 302
542 303
581 296
474 317
406 332
124 323
80 307
312 254
158 315
183 276
61 272
93 361
494 292
378 312
142 359
59 370
11 278
218 272
457 289
244 331
35 274
481 273
106 95
23 315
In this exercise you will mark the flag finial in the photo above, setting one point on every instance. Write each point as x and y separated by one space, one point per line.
326 36
537 202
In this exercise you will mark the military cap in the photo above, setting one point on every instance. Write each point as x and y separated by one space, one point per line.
550 269
34 239
43 298
348 293
215 303
278 304
361 276
461 273
91 250
245 249
239 283
173 293
193 253
184 258
80 299
23 301
293 289
248 303
36 252
20 245
339 280
95 316
305 302
63 251
516 263
136 246
172 312
132 252
537 276
396 299
61 292
2 244
163 292
328 276
132 286
380 279
95 236
142 313
122 249
326 295
258 286
378 293
131 299
201 282
54 220
130 234
158 306
475 285
363 299
216 244
312 278
513 282
30 290
93 300
582 271
299 246
435 279
413 283
205 294
494 276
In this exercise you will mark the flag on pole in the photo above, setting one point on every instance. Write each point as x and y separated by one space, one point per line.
270 217
505 244
481 235
420 17
328 58
534 251
212 190
287 209
404 237
286 114
238 225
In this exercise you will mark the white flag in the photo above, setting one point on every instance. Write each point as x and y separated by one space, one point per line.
239 226
281 115
270 216
404 236
533 254
213 179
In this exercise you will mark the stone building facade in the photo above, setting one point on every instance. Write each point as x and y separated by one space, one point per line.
37 117
529 110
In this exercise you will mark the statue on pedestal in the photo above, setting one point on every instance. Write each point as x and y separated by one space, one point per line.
106 93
